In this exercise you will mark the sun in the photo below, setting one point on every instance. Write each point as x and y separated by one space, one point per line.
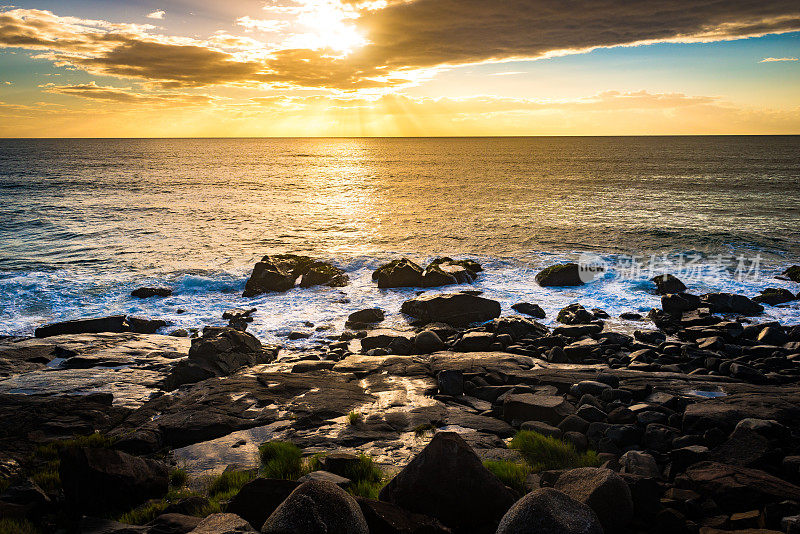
328 24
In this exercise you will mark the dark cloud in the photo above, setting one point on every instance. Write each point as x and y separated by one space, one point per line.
92 91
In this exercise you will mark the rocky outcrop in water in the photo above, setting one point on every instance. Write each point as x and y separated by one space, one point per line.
149 292
282 272
112 324
456 309
440 272
567 274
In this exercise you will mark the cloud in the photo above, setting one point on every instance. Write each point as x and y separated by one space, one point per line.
158 14
92 91
773 59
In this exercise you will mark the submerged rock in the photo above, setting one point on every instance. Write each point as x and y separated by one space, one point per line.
317 507
548 511
567 274
456 309
367 316
667 283
147 292
534 310
447 481
281 272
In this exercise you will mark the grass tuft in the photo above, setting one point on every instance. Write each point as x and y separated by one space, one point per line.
543 453
4 484
178 478
228 484
281 459
424 428
354 418
362 488
512 474
144 513
17 526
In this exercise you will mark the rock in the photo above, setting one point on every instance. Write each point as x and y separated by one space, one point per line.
317 507
398 273
97 481
578 330
744 447
677 303
281 272
368 316
147 292
141 325
223 524
243 314
257 499
456 309
170 523
774 296
549 511
793 273
667 283
115 323
730 303
726 412
772 335
542 428
325 476
567 274
447 481
575 314
395 343
387 518
445 271
519 327
96 525
736 489
526 308
603 491
427 342
551 409
474 342
219 352
451 383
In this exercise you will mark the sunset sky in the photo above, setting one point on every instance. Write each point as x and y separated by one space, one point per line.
180 68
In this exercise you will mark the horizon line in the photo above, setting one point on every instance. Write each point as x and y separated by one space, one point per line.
398 136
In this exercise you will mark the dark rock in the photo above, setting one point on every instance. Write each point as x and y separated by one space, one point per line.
368 316
96 525
551 409
451 383
639 463
744 447
651 337
427 342
447 481
398 273
457 309
774 296
726 412
772 335
223 524
542 428
631 316
567 274
97 481
793 273
147 292
280 273
141 325
115 323
677 303
518 327
575 314
172 523
387 518
575 331
667 283
474 342
603 491
526 308
326 476
730 303
549 511
574 423
446 271
257 499
244 314
317 507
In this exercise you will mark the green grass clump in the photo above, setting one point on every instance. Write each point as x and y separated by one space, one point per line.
17 526
362 488
543 453
50 451
144 513
178 477
424 428
364 470
228 484
47 477
512 474
281 459
354 418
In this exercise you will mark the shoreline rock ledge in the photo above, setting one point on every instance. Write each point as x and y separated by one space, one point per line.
281 272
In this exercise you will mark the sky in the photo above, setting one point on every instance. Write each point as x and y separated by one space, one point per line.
206 68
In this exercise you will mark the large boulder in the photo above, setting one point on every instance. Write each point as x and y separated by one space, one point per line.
567 274
281 272
774 296
736 489
575 314
456 309
223 524
398 273
552 409
317 507
447 481
257 499
730 303
677 303
526 308
387 518
549 511
446 271
603 491
726 412
793 273
97 481
519 327
219 352
114 323
366 316
147 292
666 284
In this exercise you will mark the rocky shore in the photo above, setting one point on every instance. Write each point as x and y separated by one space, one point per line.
464 420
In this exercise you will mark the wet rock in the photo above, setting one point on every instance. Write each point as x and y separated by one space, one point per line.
387 518
257 499
793 273
549 511
96 481
147 292
526 308
667 283
575 331
678 303
603 491
317 507
730 303
456 309
398 273
367 316
223 524
774 296
575 314
736 489
567 274
281 272
142 325
394 343
446 271
519 327
551 409
115 323
427 342
447 481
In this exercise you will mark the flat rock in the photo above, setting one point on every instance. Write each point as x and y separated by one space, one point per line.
457 309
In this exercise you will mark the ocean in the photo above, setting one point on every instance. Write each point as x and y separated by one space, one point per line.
83 222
